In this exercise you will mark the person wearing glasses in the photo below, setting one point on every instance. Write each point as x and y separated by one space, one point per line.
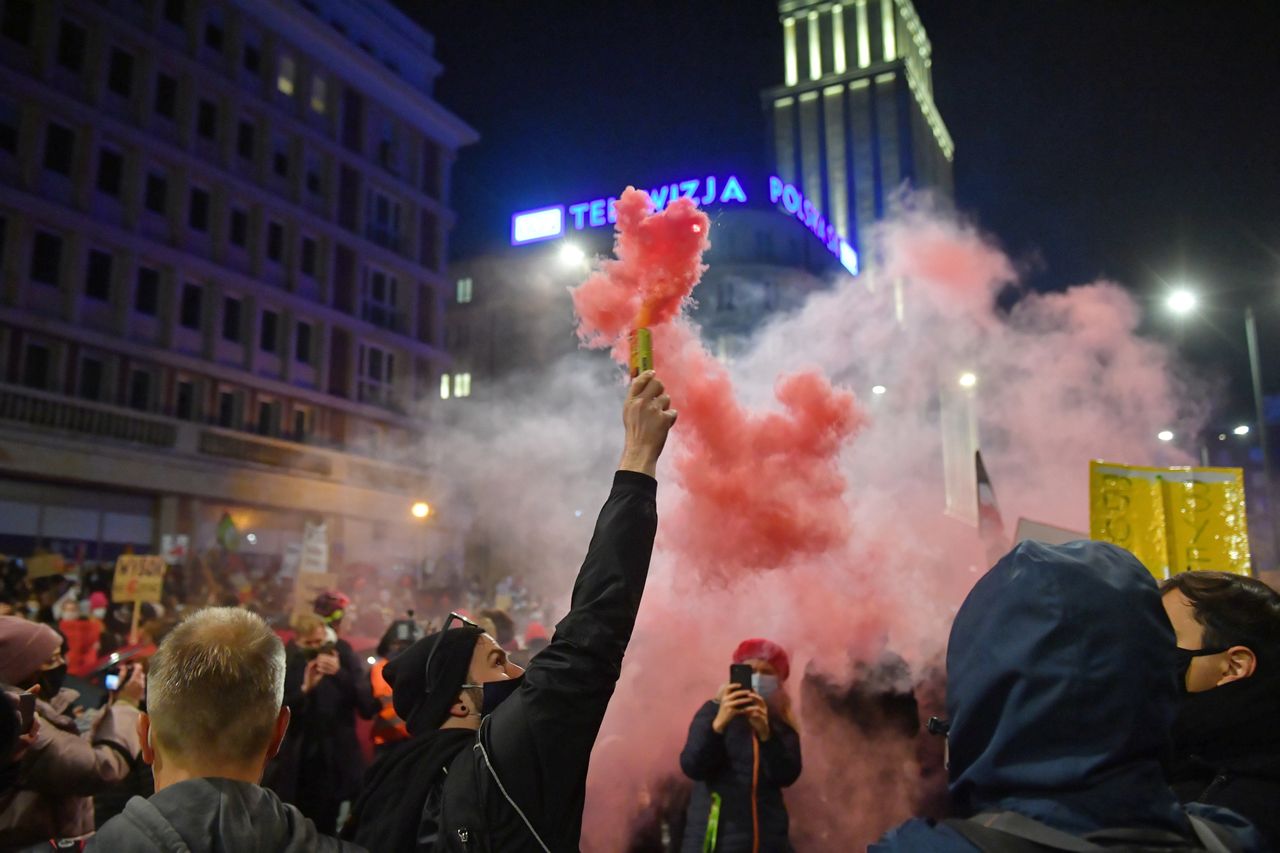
1226 744
497 758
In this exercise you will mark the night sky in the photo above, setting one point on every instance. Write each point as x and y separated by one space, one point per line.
1094 138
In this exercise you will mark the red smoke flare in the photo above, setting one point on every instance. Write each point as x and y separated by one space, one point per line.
760 488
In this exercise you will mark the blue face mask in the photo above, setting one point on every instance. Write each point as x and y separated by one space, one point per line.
496 692
764 684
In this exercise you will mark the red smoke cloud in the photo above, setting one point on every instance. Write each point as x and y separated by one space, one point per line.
759 488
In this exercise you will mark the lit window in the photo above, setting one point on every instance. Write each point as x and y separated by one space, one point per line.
444 386
285 75
464 290
462 385
319 97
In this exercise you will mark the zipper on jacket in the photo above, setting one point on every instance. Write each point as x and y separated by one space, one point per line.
755 793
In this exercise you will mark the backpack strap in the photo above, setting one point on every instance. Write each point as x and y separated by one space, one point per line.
1215 837
1010 832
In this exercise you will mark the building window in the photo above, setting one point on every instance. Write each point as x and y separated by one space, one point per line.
387 146
89 382
227 408
166 102
268 417
462 384
120 72
382 219
146 294
280 158
301 422
9 119
71 43
198 216
184 404
35 366
246 139
275 242
110 171
464 290
157 193
19 15
175 12
285 71
319 94
140 389
232 321
192 297
445 386
269 331
378 298
376 369
59 148
302 345
239 227
46 258
252 58
97 275
213 35
307 262
207 119
315 185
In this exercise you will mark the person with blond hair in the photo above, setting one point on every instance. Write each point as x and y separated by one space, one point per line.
215 715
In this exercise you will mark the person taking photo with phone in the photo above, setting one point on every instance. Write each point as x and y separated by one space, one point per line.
61 770
743 749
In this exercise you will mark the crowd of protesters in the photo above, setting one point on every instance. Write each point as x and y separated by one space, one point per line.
1086 707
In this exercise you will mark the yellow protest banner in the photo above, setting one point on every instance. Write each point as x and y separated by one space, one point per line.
44 565
138 578
1173 519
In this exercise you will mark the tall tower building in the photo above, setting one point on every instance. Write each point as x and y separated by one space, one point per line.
855 117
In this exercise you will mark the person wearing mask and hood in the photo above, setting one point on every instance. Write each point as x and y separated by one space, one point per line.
1061 692
61 770
743 749
1226 737
497 758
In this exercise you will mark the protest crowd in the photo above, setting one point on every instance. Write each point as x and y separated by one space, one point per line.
1085 707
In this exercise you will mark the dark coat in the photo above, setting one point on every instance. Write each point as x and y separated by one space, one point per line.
321 742
1227 751
724 764
1061 691
539 740
211 815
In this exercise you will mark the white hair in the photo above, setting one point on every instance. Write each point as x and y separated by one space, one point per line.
216 685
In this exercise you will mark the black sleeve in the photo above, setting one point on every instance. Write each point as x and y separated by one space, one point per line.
703 754
354 681
294 698
540 739
780 755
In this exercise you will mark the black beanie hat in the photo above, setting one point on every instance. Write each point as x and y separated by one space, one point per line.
422 699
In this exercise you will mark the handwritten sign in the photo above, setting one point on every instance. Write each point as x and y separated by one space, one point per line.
138 578
1174 520
308 587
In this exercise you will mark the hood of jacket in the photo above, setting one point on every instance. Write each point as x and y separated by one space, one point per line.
211 816
1062 688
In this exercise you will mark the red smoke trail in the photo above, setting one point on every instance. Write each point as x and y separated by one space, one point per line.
759 488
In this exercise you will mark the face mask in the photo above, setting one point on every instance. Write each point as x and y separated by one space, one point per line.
70 615
764 684
99 612
1185 657
496 692
51 681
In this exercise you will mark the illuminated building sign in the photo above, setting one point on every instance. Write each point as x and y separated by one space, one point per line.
547 223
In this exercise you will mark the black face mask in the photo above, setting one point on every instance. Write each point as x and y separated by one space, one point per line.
496 692
1186 656
51 681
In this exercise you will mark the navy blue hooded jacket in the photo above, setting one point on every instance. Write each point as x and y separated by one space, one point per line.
1061 690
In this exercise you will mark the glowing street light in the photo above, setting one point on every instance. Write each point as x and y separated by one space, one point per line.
571 255
1182 301
1165 435
878 390
1243 429
968 380
421 509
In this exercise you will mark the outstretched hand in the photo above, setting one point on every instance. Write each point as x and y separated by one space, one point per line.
647 417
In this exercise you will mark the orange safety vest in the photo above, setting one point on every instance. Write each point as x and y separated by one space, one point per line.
387 727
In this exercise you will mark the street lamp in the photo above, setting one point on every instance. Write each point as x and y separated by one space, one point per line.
421 509
1165 435
571 255
1243 429
1182 301
968 380
878 390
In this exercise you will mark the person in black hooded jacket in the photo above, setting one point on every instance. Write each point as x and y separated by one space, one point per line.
497 758
1226 741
